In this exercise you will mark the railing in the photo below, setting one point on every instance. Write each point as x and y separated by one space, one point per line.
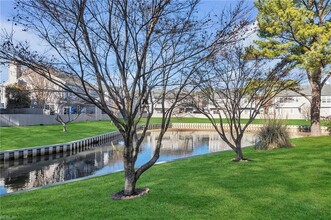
251 127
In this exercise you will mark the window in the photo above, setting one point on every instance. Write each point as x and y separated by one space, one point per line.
326 99
49 109
287 100
188 110
75 109
66 110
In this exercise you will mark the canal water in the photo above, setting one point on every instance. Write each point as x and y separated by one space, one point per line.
39 171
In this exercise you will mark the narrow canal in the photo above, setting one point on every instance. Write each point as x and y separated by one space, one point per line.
39 171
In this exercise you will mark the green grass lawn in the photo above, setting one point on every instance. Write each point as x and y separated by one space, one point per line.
31 136
289 183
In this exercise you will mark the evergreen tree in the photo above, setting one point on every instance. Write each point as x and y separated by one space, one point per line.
17 96
298 31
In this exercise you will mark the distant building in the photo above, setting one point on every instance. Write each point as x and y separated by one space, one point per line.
2 96
182 107
294 106
286 105
45 94
246 107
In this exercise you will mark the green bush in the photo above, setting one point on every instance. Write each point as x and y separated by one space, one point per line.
328 124
273 135
326 121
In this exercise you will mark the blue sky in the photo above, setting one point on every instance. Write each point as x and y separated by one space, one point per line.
6 7
7 10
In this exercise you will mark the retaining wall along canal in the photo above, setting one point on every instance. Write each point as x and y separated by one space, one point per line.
251 127
87 143
79 145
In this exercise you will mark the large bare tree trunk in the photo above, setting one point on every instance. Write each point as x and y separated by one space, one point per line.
315 106
130 179
129 171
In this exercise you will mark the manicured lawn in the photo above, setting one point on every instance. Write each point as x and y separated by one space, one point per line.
31 136
280 184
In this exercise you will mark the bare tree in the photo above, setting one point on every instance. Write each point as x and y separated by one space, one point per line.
65 119
236 88
124 50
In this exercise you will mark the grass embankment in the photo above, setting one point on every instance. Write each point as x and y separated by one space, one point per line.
280 184
30 136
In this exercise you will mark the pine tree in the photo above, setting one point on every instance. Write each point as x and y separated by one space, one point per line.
300 32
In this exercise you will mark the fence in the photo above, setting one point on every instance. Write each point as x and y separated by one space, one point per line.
39 111
251 127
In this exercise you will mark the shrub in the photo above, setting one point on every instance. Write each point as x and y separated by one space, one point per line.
273 135
327 123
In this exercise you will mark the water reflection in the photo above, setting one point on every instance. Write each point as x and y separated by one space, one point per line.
39 171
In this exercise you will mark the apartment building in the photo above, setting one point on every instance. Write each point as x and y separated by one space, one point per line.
45 94
291 105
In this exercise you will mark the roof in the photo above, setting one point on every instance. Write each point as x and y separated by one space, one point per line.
306 89
67 78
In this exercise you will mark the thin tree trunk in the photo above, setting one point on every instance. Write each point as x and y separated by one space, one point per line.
64 127
315 108
239 153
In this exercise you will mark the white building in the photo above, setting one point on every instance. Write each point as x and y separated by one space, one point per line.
2 96
245 107
45 94
14 73
291 105
287 105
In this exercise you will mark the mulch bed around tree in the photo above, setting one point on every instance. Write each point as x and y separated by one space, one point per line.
120 195
241 160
